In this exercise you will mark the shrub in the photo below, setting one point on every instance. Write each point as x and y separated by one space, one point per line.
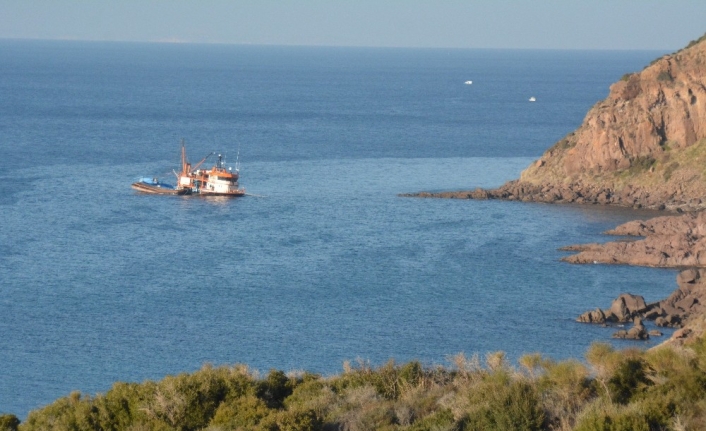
312 394
442 420
8 422
410 375
245 412
629 378
566 388
564 144
635 417
363 408
664 76
238 380
660 389
294 420
642 163
68 413
499 404
187 402
275 388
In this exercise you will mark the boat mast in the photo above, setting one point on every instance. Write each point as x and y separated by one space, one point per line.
183 157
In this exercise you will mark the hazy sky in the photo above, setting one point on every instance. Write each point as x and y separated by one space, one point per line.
572 24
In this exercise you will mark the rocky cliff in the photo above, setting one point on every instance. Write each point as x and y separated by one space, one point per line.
643 146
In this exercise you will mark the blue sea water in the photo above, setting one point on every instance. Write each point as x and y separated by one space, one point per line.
323 262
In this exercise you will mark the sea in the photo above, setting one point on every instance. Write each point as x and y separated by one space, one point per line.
322 262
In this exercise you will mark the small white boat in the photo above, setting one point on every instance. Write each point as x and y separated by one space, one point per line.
468 82
532 99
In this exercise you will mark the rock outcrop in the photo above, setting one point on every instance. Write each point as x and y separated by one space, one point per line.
687 301
676 241
623 309
685 308
626 307
593 316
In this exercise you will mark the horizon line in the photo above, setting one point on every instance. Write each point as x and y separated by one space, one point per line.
175 41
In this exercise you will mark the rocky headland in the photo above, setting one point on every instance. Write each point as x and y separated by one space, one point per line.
644 146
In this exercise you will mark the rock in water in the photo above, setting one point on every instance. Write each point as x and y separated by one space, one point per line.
626 306
637 332
595 316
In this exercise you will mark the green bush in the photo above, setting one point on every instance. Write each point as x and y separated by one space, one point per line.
442 420
245 412
642 163
390 380
275 388
636 417
503 405
664 76
188 401
629 379
8 422
293 420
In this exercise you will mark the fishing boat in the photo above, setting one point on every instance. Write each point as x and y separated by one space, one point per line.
219 180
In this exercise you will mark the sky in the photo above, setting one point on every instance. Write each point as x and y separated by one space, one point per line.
514 24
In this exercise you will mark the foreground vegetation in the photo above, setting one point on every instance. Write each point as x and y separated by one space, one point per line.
661 389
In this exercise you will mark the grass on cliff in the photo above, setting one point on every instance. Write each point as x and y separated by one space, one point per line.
673 164
663 389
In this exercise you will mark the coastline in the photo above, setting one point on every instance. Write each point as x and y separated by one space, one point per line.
643 146
575 193
676 241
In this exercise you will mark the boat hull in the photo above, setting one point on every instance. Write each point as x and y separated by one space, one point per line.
158 189
234 194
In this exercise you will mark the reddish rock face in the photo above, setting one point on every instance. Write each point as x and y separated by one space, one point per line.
630 149
664 105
